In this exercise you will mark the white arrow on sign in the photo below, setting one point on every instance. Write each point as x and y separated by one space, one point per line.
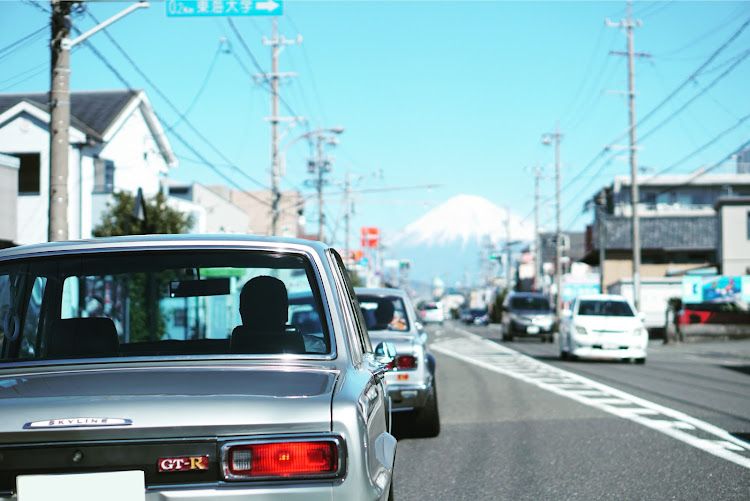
269 6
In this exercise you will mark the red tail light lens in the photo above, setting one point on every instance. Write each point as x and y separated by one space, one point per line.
403 362
307 459
406 362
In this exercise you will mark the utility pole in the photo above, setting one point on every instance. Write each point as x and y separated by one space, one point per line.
59 126
550 138
59 105
628 24
537 241
600 208
277 45
347 215
322 168
508 267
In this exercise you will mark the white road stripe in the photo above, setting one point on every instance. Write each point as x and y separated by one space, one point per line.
484 353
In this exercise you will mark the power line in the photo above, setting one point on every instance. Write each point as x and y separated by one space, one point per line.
202 86
257 65
707 169
709 143
173 106
688 80
702 91
186 143
27 39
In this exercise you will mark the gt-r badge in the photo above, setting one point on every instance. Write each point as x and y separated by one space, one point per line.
184 463
77 422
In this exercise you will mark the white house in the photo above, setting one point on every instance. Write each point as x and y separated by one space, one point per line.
116 144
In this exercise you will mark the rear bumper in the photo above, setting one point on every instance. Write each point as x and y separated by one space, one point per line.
531 330
621 353
407 397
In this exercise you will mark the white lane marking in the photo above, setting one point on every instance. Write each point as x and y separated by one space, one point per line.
487 354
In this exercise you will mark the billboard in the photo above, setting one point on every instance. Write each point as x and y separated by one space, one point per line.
715 289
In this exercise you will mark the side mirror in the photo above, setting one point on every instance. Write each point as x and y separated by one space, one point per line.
423 337
641 316
385 352
567 313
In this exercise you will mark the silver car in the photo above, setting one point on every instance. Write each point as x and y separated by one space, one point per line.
167 367
391 317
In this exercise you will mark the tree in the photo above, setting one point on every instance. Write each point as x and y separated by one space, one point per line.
146 320
157 217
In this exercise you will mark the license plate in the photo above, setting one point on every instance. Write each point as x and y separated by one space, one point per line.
112 486
532 329
610 347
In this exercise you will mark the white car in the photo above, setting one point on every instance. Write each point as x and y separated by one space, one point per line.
432 313
603 326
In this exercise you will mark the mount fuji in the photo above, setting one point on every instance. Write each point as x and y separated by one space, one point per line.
451 241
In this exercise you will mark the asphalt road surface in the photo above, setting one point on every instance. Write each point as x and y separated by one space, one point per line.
519 424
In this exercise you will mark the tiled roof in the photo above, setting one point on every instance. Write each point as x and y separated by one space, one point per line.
97 110
662 232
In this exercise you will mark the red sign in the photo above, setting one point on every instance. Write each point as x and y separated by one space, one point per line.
185 463
370 236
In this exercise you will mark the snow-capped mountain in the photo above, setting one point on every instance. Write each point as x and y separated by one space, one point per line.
452 240
464 219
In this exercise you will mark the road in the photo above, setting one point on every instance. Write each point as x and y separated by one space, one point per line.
519 424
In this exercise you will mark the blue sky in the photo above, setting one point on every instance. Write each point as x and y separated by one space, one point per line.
452 93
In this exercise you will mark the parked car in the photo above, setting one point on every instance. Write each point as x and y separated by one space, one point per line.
475 316
713 313
528 314
391 317
603 326
167 367
432 312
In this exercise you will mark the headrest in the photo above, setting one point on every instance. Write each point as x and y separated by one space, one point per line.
95 336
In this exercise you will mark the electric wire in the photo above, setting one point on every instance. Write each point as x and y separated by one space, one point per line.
30 38
692 100
174 107
201 88
700 149
186 143
669 97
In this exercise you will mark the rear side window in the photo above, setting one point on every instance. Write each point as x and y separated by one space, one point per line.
166 304
384 313
605 308
529 303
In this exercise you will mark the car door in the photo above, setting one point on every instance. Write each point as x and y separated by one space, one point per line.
374 395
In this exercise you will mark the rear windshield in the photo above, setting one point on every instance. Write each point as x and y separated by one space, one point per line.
384 312
529 303
605 308
165 304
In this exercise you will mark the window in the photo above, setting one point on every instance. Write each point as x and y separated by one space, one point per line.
163 304
28 173
104 175
747 225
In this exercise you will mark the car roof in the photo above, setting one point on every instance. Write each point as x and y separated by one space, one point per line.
380 291
528 294
602 297
162 242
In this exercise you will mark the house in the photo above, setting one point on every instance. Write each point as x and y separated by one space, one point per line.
679 224
734 236
116 144
258 205
212 212
8 200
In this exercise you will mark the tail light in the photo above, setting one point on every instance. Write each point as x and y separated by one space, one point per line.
403 363
299 458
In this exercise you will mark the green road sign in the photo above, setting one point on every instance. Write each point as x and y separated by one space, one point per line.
209 8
